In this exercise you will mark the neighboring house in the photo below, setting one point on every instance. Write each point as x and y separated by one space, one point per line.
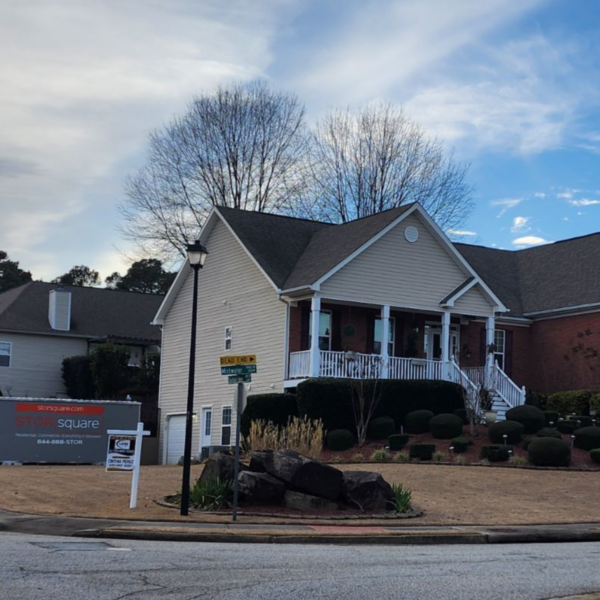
387 295
43 323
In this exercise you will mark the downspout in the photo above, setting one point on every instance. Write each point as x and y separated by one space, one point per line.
286 338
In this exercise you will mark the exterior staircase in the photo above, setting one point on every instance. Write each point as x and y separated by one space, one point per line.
500 406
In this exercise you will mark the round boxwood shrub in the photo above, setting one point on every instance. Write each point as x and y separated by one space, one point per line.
277 408
512 429
531 417
339 439
445 426
582 420
495 453
551 417
460 444
549 432
421 451
549 452
398 441
380 428
567 427
527 440
595 455
587 438
417 421
461 413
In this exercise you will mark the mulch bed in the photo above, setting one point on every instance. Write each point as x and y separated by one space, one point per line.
580 459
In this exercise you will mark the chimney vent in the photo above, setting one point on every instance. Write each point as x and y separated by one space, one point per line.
59 313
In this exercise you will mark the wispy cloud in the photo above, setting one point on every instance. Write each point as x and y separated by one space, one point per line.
520 225
540 195
506 204
584 202
530 240
460 232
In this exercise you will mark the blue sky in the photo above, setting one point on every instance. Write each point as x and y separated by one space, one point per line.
510 87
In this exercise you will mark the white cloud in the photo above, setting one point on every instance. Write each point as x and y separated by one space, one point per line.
461 232
584 202
519 224
565 218
540 195
530 240
506 204
565 195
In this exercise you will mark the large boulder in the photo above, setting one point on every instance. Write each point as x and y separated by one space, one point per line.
220 465
303 474
306 502
366 490
260 488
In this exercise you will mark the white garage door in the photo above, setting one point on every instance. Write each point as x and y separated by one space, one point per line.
175 438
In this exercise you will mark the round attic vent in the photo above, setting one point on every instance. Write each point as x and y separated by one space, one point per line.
411 234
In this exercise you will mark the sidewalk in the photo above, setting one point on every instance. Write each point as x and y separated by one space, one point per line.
295 534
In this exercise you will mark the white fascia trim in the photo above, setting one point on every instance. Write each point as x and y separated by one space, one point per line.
351 257
435 229
297 289
457 295
564 309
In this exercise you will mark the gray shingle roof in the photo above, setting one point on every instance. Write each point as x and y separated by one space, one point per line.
95 312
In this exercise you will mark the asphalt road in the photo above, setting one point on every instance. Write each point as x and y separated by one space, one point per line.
49 568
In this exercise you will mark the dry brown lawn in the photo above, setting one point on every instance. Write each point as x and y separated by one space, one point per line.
449 495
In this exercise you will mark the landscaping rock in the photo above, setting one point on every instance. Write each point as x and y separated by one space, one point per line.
306 502
303 474
257 460
366 490
220 466
260 488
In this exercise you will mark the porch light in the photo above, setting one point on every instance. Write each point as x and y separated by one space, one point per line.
196 254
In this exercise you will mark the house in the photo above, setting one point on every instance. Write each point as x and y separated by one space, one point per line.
388 296
42 323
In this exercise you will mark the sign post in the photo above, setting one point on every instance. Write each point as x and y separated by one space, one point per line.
239 370
125 454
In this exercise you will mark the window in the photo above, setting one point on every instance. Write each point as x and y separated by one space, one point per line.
228 337
226 426
379 332
500 345
324 330
5 348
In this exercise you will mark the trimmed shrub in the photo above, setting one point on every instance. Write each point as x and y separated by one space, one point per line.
445 426
398 441
461 413
329 400
417 421
587 438
536 399
276 408
512 429
109 370
567 403
567 427
380 428
549 432
595 404
460 444
77 376
551 416
339 439
549 452
495 453
421 451
582 420
532 418
595 455
527 440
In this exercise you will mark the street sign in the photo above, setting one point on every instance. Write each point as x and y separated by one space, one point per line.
238 370
245 359
247 378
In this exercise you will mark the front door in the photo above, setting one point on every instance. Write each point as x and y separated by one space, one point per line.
206 428
433 342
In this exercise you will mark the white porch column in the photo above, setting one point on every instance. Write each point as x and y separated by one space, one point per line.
385 336
490 328
445 341
315 355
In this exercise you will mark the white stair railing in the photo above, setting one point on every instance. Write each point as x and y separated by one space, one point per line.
505 387
458 375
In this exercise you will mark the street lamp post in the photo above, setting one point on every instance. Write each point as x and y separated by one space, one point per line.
196 253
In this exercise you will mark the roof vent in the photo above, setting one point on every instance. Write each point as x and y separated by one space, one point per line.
411 233
59 309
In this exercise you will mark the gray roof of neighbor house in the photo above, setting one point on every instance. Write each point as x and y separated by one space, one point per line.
95 312
297 253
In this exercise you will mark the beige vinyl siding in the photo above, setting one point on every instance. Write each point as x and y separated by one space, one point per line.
36 364
402 274
233 293
473 302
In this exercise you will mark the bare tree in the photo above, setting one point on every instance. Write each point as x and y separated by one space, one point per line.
243 146
374 159
366 393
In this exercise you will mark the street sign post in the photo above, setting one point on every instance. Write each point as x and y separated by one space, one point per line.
238 370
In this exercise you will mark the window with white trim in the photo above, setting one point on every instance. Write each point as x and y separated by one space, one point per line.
324 330
226 426
378 333
228 338
499 346
5 351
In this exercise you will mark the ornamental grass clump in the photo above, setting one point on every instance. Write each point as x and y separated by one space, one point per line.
380 456
402 500
210 494
402 457
301 435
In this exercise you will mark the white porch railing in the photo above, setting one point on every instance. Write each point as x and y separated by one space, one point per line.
415 368
495 379
299 365
458 375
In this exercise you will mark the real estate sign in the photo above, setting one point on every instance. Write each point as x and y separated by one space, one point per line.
60 431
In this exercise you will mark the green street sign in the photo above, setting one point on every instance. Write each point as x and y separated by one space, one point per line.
239 378
238 370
